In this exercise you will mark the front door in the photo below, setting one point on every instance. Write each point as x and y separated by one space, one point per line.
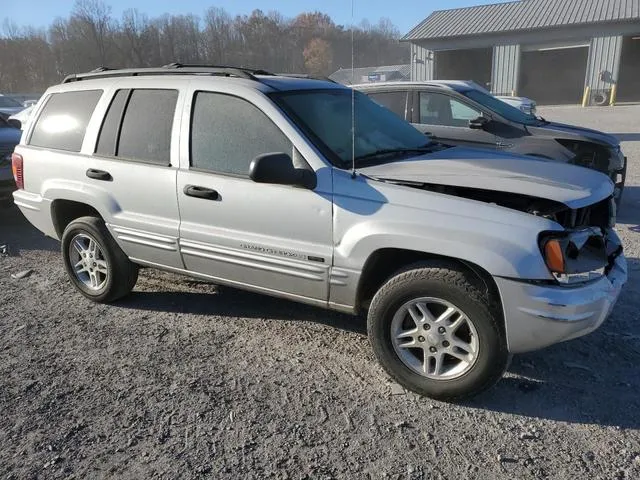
270 238
446 120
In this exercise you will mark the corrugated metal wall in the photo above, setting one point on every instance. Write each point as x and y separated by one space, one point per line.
421 63
604 61
505 69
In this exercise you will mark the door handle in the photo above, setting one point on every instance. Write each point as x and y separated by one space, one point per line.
201 192
504 145
99 175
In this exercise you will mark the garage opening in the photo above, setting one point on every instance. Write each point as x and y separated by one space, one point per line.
629 77
554 76
471 64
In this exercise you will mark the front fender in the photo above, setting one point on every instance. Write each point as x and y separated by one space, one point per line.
504 252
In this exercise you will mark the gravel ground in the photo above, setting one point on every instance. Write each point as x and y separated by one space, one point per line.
187 380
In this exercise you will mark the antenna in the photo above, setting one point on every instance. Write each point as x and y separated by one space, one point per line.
353 98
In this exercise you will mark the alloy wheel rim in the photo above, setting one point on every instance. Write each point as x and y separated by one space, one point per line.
434 338
88 262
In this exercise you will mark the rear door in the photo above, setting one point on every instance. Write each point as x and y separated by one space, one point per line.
446 119
270 238
136 158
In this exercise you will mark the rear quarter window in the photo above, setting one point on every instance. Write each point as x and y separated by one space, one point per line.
64 119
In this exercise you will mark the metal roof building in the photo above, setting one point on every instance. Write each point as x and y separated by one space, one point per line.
556 51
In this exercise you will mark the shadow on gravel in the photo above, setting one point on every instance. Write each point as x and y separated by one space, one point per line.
229 302
629 210
19 234
590 380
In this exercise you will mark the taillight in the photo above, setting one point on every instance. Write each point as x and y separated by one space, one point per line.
17 166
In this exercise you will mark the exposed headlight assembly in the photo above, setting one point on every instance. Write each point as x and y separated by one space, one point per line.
575 257
617 157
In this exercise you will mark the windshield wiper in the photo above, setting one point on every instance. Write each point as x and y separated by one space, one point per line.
395 151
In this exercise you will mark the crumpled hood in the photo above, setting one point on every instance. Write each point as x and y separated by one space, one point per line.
552 129
574 186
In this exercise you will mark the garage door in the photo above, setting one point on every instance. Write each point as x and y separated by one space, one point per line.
629 80
471 64
554 76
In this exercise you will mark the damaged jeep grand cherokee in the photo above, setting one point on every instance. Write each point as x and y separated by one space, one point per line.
458 258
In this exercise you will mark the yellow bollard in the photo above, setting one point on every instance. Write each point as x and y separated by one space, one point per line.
614 89
585 97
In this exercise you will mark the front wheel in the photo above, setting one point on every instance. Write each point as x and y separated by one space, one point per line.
436 334
96 265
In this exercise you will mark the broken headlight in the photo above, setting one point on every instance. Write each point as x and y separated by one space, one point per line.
575 257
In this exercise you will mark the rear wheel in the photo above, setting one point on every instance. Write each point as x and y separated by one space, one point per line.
96 265
436 334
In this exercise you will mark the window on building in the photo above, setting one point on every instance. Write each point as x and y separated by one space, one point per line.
227 133
64 119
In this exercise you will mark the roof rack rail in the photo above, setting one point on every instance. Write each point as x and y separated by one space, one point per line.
252 71
169 69
306 75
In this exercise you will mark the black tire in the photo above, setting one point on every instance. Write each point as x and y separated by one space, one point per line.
122 273
451 283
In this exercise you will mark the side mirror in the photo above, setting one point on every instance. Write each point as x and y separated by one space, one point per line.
278 168
15 123
478 123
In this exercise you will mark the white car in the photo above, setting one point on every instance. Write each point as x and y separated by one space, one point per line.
524 104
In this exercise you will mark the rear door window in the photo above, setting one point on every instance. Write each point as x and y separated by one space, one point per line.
394 101
108 139
138 126
64 119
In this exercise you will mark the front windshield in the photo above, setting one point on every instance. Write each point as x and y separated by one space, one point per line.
503 109
6 102
325 115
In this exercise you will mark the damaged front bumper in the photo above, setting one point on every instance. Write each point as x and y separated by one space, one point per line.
537 316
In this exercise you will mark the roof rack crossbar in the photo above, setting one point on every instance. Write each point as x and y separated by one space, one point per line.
170 69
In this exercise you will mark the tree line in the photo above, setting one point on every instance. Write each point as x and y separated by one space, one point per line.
32 59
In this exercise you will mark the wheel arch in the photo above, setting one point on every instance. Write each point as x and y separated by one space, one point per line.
64 211
383 263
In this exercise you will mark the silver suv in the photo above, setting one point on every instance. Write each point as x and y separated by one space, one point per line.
458 258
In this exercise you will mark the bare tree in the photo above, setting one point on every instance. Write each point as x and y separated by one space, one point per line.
91 23
311 42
